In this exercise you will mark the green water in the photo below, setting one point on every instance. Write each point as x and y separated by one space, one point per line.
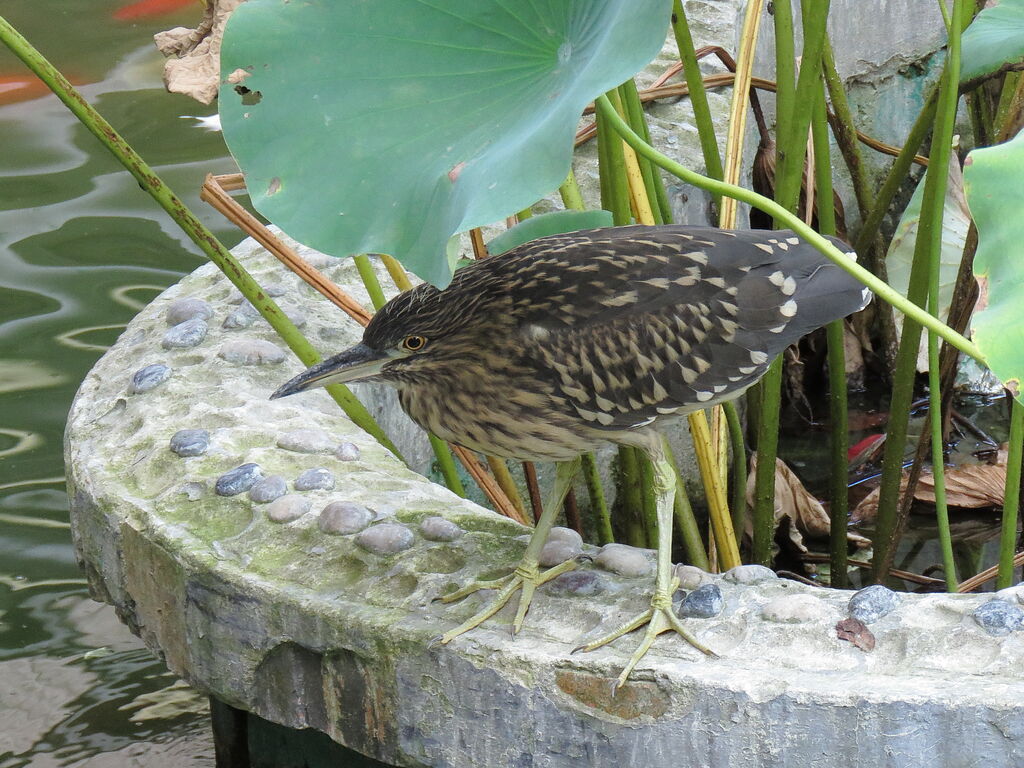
82 248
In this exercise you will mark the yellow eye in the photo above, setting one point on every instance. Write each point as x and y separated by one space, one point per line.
414 343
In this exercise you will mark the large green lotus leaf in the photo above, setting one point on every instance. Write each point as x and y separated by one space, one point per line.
956 221
995 40
994 183
387 125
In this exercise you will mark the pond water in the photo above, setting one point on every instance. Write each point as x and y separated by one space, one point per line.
82 248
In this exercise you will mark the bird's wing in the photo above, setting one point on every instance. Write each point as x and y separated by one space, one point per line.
632 323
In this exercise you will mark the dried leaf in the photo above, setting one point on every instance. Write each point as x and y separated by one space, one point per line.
855 631
793 501
969 486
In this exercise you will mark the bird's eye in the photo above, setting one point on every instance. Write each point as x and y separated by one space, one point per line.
414 343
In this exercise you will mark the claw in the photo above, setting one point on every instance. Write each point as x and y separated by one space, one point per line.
525 578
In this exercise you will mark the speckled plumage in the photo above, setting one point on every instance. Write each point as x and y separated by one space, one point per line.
575 339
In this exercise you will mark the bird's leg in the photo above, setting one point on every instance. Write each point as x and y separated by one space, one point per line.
527 575
659 617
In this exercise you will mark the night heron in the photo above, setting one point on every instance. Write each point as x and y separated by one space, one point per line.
573 340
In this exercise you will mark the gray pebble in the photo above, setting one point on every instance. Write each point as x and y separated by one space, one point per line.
298 318
1013 594
999 618
344 517
439 529
568 535
690 576
269 488
347 452
240 318
577 583
185 335
238 480
704 602
872 603
251 352
792 609
306 441
557 552
624 560
315 479
190 442
288 508
385 539
148 378
750 574
188 309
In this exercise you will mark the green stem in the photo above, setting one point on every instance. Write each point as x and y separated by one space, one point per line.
792 141
184 218
365 268
653 184
630 499
763 514
739 468
835 332
889 522
879 287
615 168
698 96
572 199
1011 499
598 503
897 173
938 445
785 74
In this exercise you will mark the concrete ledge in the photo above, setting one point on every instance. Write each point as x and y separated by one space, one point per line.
318 630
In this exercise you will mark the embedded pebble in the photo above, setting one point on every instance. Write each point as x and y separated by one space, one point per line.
385 539
238 480
1012 594
306 441
999 618
344 517
438 529
315 479
190 442
240 318
624 560
347 452
298 318
188 309
791 609
872 603
568 535
690 576
704 602
192 491
148 378
750 574
269 488
288 508
185 335
577 583
557 552
251 352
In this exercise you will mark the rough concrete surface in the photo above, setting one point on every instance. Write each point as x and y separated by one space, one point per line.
311 629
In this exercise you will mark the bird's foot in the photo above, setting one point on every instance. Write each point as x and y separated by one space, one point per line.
659 618
526 577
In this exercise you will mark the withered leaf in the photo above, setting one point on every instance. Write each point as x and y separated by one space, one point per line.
856 631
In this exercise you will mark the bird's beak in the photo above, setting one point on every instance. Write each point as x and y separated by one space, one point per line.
357 363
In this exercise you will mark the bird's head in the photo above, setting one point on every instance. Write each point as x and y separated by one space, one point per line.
418 333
